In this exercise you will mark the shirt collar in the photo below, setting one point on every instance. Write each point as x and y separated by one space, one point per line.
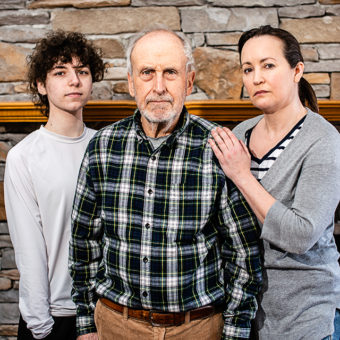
181 126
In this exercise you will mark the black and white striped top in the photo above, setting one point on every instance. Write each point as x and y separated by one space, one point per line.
259 167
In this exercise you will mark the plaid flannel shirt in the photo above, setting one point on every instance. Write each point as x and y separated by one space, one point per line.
163 228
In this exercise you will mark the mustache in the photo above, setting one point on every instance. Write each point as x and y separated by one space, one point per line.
161 98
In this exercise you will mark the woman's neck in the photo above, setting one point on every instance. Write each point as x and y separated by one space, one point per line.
273 128
282 121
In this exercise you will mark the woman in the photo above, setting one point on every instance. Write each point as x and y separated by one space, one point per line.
290 178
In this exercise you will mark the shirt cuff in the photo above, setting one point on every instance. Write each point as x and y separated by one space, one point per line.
232 332
85 325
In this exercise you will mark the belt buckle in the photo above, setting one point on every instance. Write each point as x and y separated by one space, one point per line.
155 324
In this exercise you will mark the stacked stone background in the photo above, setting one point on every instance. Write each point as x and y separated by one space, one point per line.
213 27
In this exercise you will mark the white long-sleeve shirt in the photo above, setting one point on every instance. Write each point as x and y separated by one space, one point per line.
40 180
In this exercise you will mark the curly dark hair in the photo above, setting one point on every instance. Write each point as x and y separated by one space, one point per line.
60 46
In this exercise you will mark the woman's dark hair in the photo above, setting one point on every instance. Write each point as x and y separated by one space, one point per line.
293 55
60 46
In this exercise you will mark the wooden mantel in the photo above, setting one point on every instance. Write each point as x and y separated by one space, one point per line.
110 111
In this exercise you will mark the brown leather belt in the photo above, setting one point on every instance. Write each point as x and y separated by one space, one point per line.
163 319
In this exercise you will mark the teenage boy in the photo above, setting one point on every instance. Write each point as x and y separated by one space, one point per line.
40 180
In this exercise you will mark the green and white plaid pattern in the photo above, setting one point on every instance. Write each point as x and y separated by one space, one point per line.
162 229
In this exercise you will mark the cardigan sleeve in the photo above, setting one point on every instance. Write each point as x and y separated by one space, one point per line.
297 227
24 223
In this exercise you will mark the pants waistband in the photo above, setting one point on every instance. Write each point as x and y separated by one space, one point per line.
165 319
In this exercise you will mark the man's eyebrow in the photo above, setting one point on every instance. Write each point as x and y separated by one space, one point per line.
58 66
62 66
171 68
80 66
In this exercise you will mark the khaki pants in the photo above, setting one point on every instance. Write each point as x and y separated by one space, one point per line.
112 325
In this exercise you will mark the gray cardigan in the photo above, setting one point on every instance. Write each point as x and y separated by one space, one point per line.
301 273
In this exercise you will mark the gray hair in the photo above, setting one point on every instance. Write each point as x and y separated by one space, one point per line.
190 64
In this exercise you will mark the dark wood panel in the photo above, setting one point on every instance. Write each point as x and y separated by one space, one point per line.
110 111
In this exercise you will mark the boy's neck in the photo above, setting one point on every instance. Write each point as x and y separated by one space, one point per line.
65 124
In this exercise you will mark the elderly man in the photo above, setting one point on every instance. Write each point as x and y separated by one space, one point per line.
161 238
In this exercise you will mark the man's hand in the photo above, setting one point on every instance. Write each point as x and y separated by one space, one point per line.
89 336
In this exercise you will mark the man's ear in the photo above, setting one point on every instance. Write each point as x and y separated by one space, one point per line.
190 81
41 88
131 87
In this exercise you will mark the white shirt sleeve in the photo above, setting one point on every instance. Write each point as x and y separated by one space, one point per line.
27 236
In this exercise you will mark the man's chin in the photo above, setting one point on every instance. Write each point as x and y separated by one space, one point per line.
158 109
158 116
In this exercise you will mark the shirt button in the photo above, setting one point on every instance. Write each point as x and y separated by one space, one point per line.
145 294
147 226
153 158
145 260
150 191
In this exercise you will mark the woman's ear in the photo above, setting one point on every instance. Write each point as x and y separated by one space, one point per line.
299 71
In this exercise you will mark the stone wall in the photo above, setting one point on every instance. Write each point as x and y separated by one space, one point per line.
213 26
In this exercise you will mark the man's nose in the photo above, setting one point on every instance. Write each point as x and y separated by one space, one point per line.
74 78
159 86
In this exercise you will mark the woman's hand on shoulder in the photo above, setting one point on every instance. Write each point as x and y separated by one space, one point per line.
232 153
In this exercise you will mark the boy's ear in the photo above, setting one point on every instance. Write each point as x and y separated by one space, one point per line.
41 87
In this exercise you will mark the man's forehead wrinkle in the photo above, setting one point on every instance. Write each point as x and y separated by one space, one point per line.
158 51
